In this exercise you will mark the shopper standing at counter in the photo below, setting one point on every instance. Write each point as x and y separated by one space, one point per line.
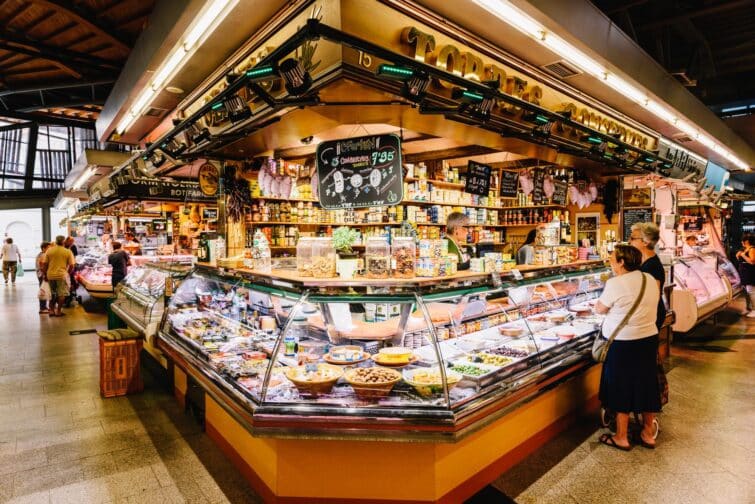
645 236
628 382
456 232
526 253
746 258
120 261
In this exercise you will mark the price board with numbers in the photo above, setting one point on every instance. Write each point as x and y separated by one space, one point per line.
478 179
509 184
360 172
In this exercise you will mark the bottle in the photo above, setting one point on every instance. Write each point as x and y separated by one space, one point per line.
261 252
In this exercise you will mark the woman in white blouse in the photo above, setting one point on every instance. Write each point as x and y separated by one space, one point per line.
629 382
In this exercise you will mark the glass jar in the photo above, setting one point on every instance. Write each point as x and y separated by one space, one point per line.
377 258
402 257
323 258
304 256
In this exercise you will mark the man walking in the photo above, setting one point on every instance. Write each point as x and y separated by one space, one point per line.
59 263
11 257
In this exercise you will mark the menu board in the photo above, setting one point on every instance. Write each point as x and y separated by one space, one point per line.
538 193
360 172
209 213
630 216
509 184
559 192
478 179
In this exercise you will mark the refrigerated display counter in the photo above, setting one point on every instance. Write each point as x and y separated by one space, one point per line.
700 291
285 361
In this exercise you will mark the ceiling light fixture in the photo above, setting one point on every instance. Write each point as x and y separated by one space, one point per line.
208 19
517 18
237 108
297 79
83 178
195 134
415 82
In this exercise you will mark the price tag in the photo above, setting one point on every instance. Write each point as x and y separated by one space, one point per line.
517 274
496 279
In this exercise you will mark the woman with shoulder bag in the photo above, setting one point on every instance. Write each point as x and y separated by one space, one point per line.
628 382
746 258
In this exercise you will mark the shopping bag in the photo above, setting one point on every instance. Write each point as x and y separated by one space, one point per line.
44 291
19 270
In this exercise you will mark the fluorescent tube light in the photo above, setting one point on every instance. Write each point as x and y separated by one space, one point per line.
167 68
513 16
661 111
574 55
633 93
86 175
211 13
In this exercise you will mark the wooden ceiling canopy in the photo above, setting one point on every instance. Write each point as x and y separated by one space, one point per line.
61 57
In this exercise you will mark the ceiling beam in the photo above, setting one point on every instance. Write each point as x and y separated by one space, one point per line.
625 6
706 11
63 55
88 17
78 123
14 15
56 60
55 86
65 102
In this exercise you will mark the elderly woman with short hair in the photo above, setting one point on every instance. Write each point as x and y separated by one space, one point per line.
644 237
628 382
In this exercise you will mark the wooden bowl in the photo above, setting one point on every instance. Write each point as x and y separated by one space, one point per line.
427 388
308 383
376 390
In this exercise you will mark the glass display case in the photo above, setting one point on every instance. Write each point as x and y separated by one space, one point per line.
324 354
94 272
139 298
700 291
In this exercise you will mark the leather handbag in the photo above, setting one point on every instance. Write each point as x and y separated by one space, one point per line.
600 345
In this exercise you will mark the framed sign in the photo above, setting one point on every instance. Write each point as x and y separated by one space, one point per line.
631 216
209 179
478 179
559 192
538 192
209 213
509 184
360 172
638 197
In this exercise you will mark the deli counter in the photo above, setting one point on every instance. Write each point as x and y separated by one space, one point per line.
284 359
703 286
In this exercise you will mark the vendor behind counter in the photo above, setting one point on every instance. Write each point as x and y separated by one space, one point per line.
457 232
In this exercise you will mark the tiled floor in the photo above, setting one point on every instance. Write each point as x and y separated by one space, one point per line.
706 448
60 442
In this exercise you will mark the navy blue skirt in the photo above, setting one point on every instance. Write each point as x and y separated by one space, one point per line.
629 381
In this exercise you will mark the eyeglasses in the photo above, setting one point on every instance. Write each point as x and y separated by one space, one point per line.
635 238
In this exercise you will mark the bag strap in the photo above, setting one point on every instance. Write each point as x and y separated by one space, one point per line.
631 310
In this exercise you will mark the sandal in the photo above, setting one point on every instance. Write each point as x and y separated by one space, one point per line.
608 440
643 443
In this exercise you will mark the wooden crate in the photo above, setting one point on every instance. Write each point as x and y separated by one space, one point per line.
120 372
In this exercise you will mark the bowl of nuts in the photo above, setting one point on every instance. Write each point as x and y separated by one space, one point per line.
372 382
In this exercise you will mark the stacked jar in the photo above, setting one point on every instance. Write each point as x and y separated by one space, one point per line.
323 258
377 257
304 256
403 255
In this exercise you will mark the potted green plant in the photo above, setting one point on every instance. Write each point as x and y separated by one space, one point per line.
343 239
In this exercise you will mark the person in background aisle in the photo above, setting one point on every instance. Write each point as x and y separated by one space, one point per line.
629 382
746 258
456 233
11 257
40 264
120 261
70 245
58 264
690 245
132 244
645 236
526 253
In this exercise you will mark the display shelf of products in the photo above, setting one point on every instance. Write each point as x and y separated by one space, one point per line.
700 291
387 357
139 298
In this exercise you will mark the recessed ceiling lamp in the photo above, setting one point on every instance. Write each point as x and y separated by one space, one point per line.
208 19
515 17
297 79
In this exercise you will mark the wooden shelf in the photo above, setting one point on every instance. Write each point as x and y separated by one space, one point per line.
374 224
439 183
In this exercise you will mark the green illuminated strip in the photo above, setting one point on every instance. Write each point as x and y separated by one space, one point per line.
595 140
260 72
649 159
608 155
395 71
217 106
541 119
469 95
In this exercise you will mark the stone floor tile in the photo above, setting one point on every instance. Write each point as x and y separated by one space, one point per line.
132 482
95 491
45 478
15 462
42 497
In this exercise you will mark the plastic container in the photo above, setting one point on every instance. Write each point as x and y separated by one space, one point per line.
323 258
377 258
403 255
304 256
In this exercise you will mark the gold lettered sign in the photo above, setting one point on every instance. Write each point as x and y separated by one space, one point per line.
209 179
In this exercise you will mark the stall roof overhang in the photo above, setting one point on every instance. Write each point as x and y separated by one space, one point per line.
169 22
500 127
92 165
584 26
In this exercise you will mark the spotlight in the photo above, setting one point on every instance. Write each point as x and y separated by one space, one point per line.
156 158
476 104
195 134
237 108
415 82
173 148
297 79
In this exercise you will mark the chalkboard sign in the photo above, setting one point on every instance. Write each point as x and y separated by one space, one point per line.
630 216
538 194
360 172
478 179
559 192
209 213
509 184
